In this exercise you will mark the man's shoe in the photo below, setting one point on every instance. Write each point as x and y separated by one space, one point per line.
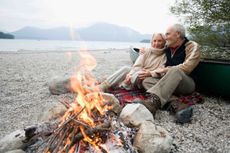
184 115
152 103
183 112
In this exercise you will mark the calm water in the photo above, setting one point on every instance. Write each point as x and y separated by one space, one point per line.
61 45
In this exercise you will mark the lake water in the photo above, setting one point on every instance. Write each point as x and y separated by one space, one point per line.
17 45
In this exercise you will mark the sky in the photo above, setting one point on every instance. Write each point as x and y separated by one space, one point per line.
144 16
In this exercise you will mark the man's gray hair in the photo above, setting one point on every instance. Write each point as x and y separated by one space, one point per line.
180 28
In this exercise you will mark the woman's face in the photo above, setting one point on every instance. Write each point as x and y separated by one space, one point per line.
158 41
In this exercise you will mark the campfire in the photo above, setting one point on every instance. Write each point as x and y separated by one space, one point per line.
89 124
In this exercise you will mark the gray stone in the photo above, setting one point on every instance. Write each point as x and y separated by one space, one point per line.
135 115
59 86
16 151
54 112
109 100
152 139
13 141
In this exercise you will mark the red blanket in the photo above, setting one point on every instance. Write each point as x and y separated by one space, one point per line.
126 96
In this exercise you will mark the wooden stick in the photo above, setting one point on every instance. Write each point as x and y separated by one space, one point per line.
61 139
101 127
64 103
70 118
75 131
57 132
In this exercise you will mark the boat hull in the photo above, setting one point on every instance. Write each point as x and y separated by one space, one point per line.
134 54
213 77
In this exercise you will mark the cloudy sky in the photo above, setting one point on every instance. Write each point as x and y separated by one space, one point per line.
145 16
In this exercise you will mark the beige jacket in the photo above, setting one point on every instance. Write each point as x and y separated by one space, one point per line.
192 59
151 60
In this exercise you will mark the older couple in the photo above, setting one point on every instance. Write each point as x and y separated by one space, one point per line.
182 56
162 72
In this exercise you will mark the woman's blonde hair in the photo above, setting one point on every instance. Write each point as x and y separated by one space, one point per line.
162 36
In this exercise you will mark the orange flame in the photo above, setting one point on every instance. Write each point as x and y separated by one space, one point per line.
86 100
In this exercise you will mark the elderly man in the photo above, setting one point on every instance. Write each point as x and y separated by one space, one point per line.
182 56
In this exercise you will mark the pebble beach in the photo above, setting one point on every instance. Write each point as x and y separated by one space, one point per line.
24 96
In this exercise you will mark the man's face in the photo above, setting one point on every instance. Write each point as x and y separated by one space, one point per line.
172 36
158 41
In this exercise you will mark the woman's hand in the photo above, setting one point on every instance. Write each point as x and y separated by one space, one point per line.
143 74
128 78
141 50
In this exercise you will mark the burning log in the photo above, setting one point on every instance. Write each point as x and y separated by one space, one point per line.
90 132
55 140
74 134
73 130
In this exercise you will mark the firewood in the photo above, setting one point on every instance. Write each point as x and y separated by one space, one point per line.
98 128
66 104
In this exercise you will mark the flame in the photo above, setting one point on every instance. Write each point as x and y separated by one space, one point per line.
88 99
93 142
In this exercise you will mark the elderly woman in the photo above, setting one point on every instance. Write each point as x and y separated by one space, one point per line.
145 66
135 52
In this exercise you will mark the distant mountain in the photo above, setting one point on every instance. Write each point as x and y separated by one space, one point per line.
95 32
145 41
60 33
6 36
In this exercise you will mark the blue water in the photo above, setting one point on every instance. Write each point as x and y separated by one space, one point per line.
17 45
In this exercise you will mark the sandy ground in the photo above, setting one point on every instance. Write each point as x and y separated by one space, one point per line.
24 96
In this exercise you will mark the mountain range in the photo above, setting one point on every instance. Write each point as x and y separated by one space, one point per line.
95 32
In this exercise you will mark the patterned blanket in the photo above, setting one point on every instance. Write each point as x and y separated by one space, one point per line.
126 96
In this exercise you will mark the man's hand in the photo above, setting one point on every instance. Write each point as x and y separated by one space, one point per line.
161 71
143 74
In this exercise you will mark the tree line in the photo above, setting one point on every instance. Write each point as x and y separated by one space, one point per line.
207 21
6 36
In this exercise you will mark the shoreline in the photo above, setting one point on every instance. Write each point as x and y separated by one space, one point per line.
59 51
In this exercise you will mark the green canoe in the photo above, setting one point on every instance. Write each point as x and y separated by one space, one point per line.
212 76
